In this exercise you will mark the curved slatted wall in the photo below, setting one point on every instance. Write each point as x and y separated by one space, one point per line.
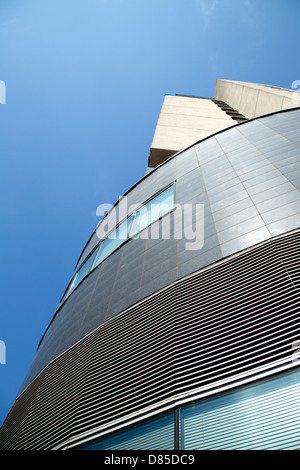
230 320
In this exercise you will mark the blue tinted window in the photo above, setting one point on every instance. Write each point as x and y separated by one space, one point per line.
146 215
153 210
112 242
152 434
83 271
264 415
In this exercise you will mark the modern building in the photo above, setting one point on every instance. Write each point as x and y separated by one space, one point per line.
180 326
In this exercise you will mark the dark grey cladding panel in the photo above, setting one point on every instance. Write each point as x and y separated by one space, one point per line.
247 178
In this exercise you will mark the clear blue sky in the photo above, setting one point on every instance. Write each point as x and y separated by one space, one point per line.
85 81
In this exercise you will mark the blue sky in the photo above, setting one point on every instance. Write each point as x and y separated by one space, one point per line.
85 81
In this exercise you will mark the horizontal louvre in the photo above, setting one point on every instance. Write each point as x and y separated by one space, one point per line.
153 434
18 415
236 317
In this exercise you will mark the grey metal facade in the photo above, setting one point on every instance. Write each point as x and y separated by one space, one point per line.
247 177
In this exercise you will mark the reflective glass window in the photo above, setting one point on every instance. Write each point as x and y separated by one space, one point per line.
83 271
113 241
145 215
152 434
264 415
153 210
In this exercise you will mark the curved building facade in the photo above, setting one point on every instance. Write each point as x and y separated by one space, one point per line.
180 326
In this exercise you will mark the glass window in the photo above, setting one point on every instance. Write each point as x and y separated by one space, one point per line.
152 434
264 415
113 241
145 215
83 271
153 210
